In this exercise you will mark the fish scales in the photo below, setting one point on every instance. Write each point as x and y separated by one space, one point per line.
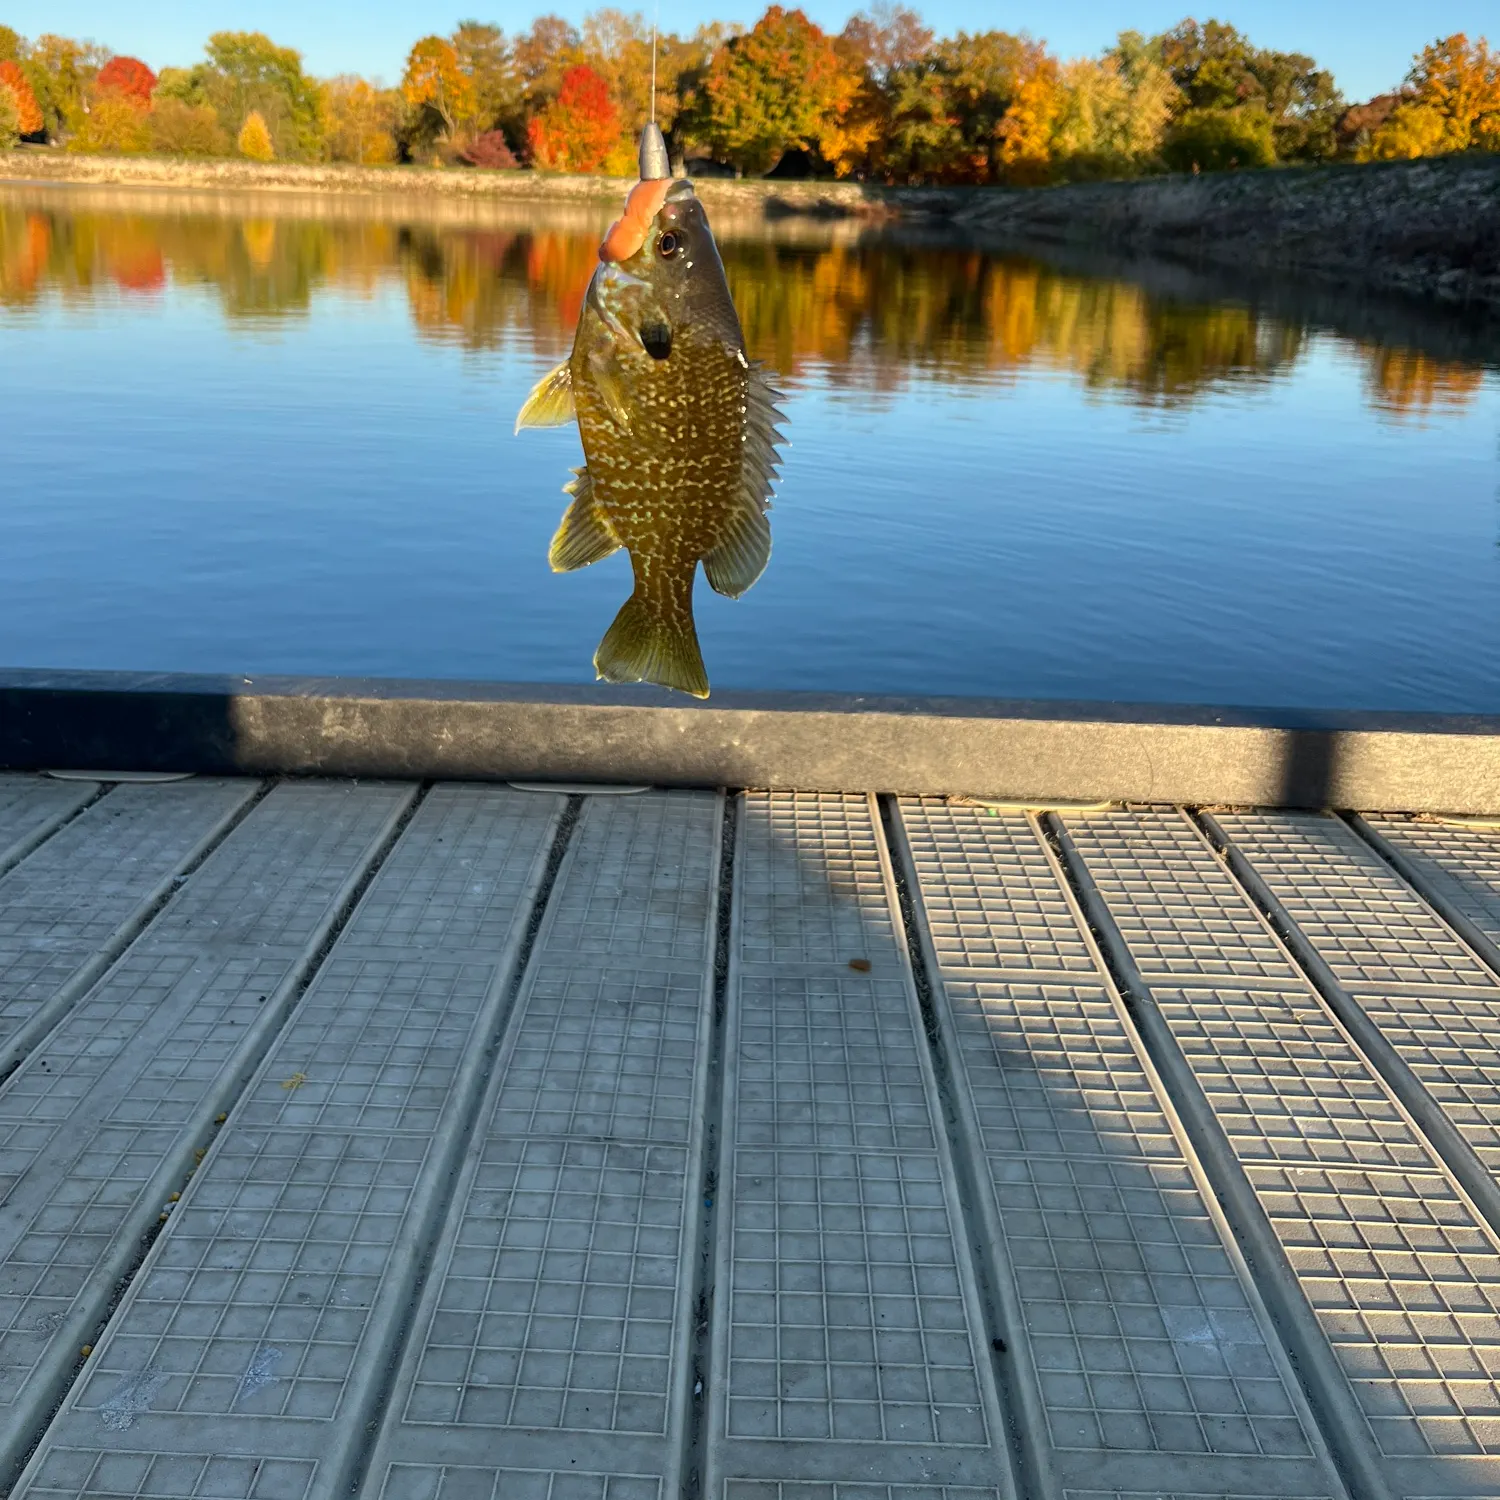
679 433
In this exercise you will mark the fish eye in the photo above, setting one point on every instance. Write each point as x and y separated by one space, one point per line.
668 245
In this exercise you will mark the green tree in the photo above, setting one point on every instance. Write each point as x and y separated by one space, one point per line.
1217 140
66 71
484 58
12 48
247 72
1218 68
781 85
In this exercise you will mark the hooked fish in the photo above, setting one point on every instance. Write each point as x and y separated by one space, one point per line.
679 430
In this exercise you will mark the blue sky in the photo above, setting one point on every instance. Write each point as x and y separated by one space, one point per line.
1368 45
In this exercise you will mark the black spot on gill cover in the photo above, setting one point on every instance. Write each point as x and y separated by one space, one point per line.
657 338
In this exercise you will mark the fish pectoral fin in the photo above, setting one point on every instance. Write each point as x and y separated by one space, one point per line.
550 403
584 537
743 551
611 389
646 645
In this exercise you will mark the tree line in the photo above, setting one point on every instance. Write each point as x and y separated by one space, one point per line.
884 100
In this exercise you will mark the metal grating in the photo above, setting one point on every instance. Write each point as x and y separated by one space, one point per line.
100 1124
1366 923
848 1336
557 1313
1179 911
1144 1329
69 908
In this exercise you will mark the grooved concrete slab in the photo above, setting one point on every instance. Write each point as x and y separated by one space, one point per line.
580 1148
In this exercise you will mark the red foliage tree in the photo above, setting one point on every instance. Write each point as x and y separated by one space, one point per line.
578 129
129 76
28 111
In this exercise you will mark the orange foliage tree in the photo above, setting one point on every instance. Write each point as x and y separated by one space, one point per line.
1027 126
782 85
577 130
128 76
28 112
1451 102
435 81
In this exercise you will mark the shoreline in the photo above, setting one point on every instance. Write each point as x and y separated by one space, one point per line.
1426 230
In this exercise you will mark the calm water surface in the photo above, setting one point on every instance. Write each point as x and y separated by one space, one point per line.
280 441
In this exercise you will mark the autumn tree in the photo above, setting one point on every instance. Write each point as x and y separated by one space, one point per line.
182 129
254 142
29 119
360 122
880 46
435 87
10 119
117 124
62 73
541 56
782 85
1450 102
1025 130
577 130
128 76
247 72
1115 111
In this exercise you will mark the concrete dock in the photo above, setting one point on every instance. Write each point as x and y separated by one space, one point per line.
435 1141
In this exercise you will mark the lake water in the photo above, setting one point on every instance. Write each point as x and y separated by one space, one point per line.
275 436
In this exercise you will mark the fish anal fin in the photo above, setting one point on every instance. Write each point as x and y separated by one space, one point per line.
646 645
584 537
550 403
743 551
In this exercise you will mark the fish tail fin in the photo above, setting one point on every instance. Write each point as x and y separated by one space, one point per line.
648 643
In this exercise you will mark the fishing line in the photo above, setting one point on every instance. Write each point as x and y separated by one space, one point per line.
655 22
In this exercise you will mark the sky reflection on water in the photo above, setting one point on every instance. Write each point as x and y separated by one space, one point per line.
280 441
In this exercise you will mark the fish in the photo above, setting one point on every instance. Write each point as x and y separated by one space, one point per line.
681 430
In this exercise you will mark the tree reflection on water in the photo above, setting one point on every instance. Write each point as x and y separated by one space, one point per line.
863 311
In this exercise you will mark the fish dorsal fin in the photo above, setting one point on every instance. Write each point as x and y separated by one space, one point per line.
550 403
745 547
584 536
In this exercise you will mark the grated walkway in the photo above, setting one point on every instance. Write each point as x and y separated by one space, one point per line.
461 1142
